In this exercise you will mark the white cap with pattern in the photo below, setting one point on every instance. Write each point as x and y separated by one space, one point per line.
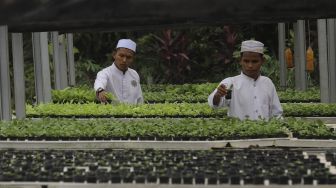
252 46
127 43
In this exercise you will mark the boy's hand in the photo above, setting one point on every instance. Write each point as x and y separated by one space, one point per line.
221 90
102 97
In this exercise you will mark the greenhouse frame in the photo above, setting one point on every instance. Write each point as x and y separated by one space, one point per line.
184 146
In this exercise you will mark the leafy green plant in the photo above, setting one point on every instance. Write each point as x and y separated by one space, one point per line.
185 128
290 95
309 109
189 128
81 95
190 93
172 45
123 110
309 129
164 110
86 70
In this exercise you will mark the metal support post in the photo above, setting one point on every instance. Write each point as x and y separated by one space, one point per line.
332 58
282 44
5 90
42 71
56 60
70 57
296 57
63 63
19 80
300 56
323 60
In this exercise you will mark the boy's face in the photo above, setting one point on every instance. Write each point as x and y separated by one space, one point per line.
251 63
123 58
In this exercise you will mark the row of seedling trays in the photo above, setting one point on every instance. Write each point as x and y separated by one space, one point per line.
196 167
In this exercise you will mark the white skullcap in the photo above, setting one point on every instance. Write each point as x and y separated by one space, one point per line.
126 43
252 46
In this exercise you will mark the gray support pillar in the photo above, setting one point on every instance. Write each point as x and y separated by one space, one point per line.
5 90
56 60
282 44
42 71
37 67
332 59
19 80
70 57
300 56
296 57
63 63
323 59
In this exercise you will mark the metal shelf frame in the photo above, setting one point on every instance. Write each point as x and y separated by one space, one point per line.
174 145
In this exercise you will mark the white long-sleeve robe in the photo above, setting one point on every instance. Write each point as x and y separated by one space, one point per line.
251 99
125 87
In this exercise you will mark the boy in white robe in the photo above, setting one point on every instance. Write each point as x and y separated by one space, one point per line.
118 79
248 95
